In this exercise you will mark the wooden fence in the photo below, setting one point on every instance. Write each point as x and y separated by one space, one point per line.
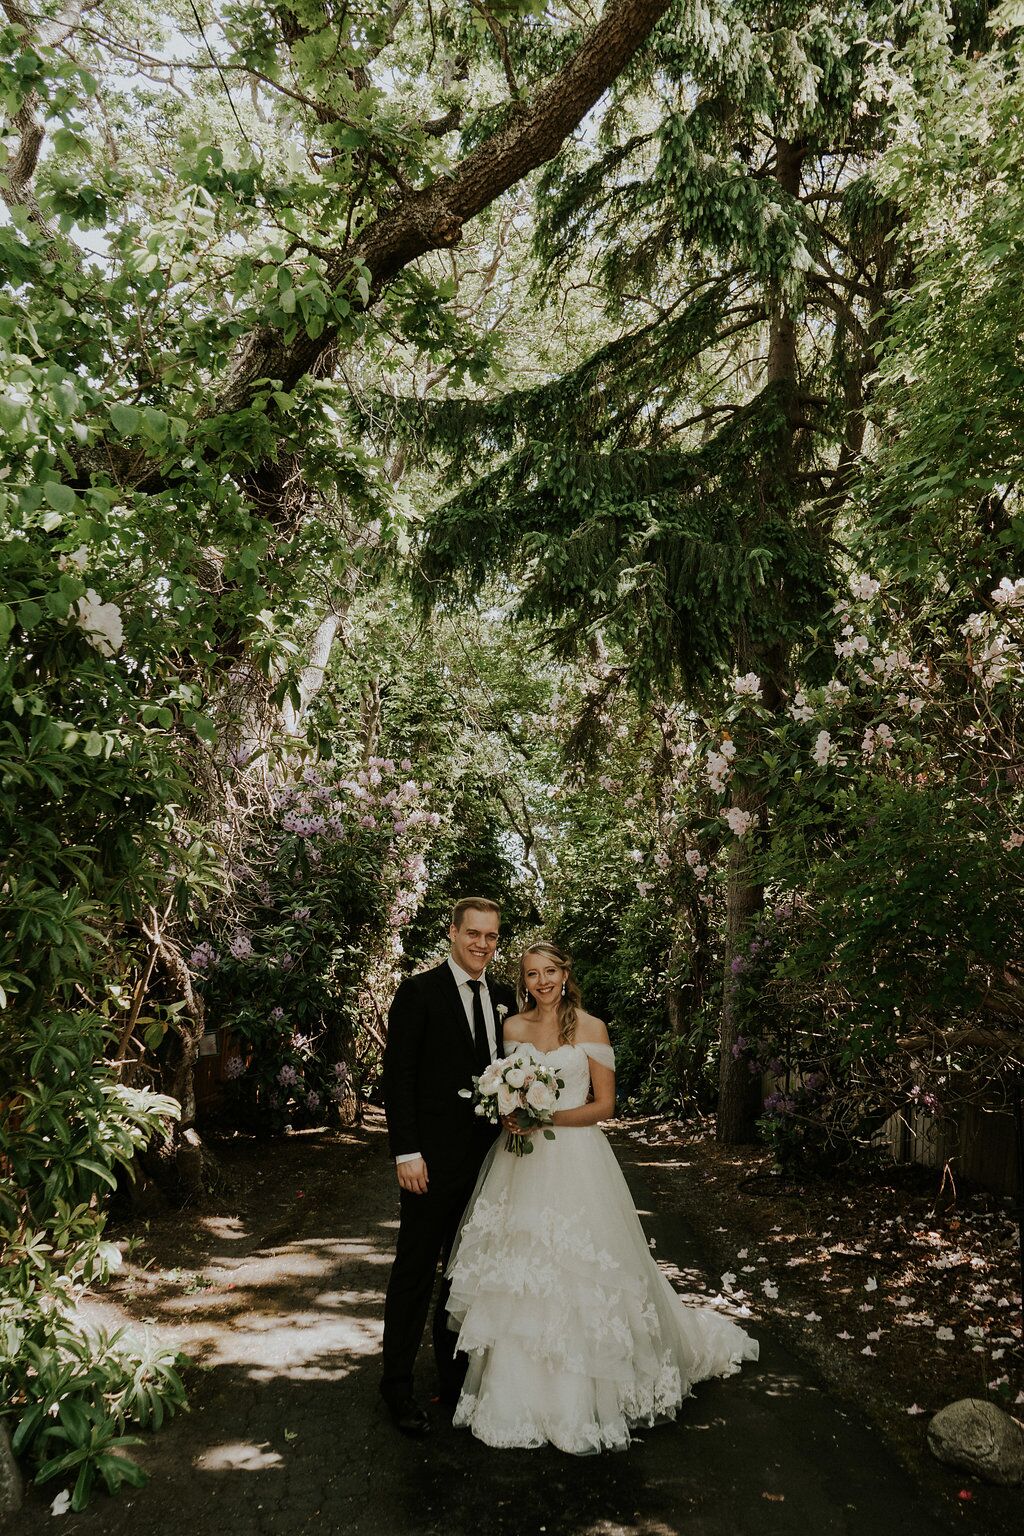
209 1077
979 1144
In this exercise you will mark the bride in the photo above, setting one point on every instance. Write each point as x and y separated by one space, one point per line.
573 1333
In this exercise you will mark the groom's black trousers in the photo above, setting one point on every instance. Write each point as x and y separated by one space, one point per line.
426 1235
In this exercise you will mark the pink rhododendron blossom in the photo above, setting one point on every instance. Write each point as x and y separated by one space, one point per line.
739 822
864 588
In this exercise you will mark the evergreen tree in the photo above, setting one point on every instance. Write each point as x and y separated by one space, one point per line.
683 489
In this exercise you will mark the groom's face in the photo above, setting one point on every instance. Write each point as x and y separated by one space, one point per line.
474 942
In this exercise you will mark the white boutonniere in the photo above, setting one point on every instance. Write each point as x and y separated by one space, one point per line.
502 1010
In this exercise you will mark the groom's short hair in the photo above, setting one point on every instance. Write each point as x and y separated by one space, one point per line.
476 904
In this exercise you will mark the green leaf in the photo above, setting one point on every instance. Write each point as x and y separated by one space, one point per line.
98 1169
204 728
27 1425
125 419
61 497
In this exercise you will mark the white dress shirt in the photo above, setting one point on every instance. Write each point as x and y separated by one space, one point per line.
463 979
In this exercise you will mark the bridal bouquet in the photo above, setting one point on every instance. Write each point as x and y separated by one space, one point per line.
519 1089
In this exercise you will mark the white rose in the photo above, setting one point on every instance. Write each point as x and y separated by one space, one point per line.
515 1077
490 1078
507 1100
540 1096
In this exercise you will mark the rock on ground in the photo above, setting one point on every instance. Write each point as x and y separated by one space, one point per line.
979 1437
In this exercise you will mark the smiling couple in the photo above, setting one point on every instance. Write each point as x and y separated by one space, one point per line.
554 1324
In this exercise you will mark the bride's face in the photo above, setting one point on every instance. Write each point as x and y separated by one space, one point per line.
544 978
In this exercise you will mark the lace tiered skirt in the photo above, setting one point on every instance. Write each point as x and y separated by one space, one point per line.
573 1333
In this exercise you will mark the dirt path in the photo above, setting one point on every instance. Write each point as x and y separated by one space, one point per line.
278 1294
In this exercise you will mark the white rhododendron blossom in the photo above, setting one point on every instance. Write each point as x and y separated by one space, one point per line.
800 709
877 738
864 588
101 622
78 558
992 662
888 662
856 645
822 748
719 771
739 822
748 686
1009 594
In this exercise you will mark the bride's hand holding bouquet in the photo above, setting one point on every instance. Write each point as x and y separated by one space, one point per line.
520 1094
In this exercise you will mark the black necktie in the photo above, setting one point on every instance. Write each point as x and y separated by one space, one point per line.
483 1049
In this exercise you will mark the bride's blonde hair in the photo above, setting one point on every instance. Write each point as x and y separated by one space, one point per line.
571 1000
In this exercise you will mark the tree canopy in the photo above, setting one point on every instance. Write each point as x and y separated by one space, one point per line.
569 452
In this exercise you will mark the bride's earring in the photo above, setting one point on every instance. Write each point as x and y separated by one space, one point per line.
564 989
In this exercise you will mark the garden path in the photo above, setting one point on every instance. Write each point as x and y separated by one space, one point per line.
277 1291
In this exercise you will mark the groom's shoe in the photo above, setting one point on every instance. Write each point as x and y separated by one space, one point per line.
407 1415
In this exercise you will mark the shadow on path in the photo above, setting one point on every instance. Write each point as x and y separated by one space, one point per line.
279 1298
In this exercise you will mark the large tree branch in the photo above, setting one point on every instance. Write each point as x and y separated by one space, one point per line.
432 218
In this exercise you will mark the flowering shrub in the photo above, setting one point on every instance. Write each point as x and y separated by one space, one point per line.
93 822
887 841
333 874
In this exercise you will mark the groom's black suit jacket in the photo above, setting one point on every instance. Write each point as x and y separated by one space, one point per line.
428 1058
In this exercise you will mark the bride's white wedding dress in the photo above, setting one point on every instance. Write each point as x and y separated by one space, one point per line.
572 1331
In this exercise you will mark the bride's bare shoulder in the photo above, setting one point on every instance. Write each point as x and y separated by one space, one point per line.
515 1021
590 1027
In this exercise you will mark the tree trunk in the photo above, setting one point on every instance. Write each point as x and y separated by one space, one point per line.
739 1098
738 1090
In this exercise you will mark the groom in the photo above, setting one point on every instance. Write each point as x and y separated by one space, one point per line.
444 1027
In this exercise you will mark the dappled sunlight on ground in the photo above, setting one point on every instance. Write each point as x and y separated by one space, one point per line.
237 1457
276 1291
